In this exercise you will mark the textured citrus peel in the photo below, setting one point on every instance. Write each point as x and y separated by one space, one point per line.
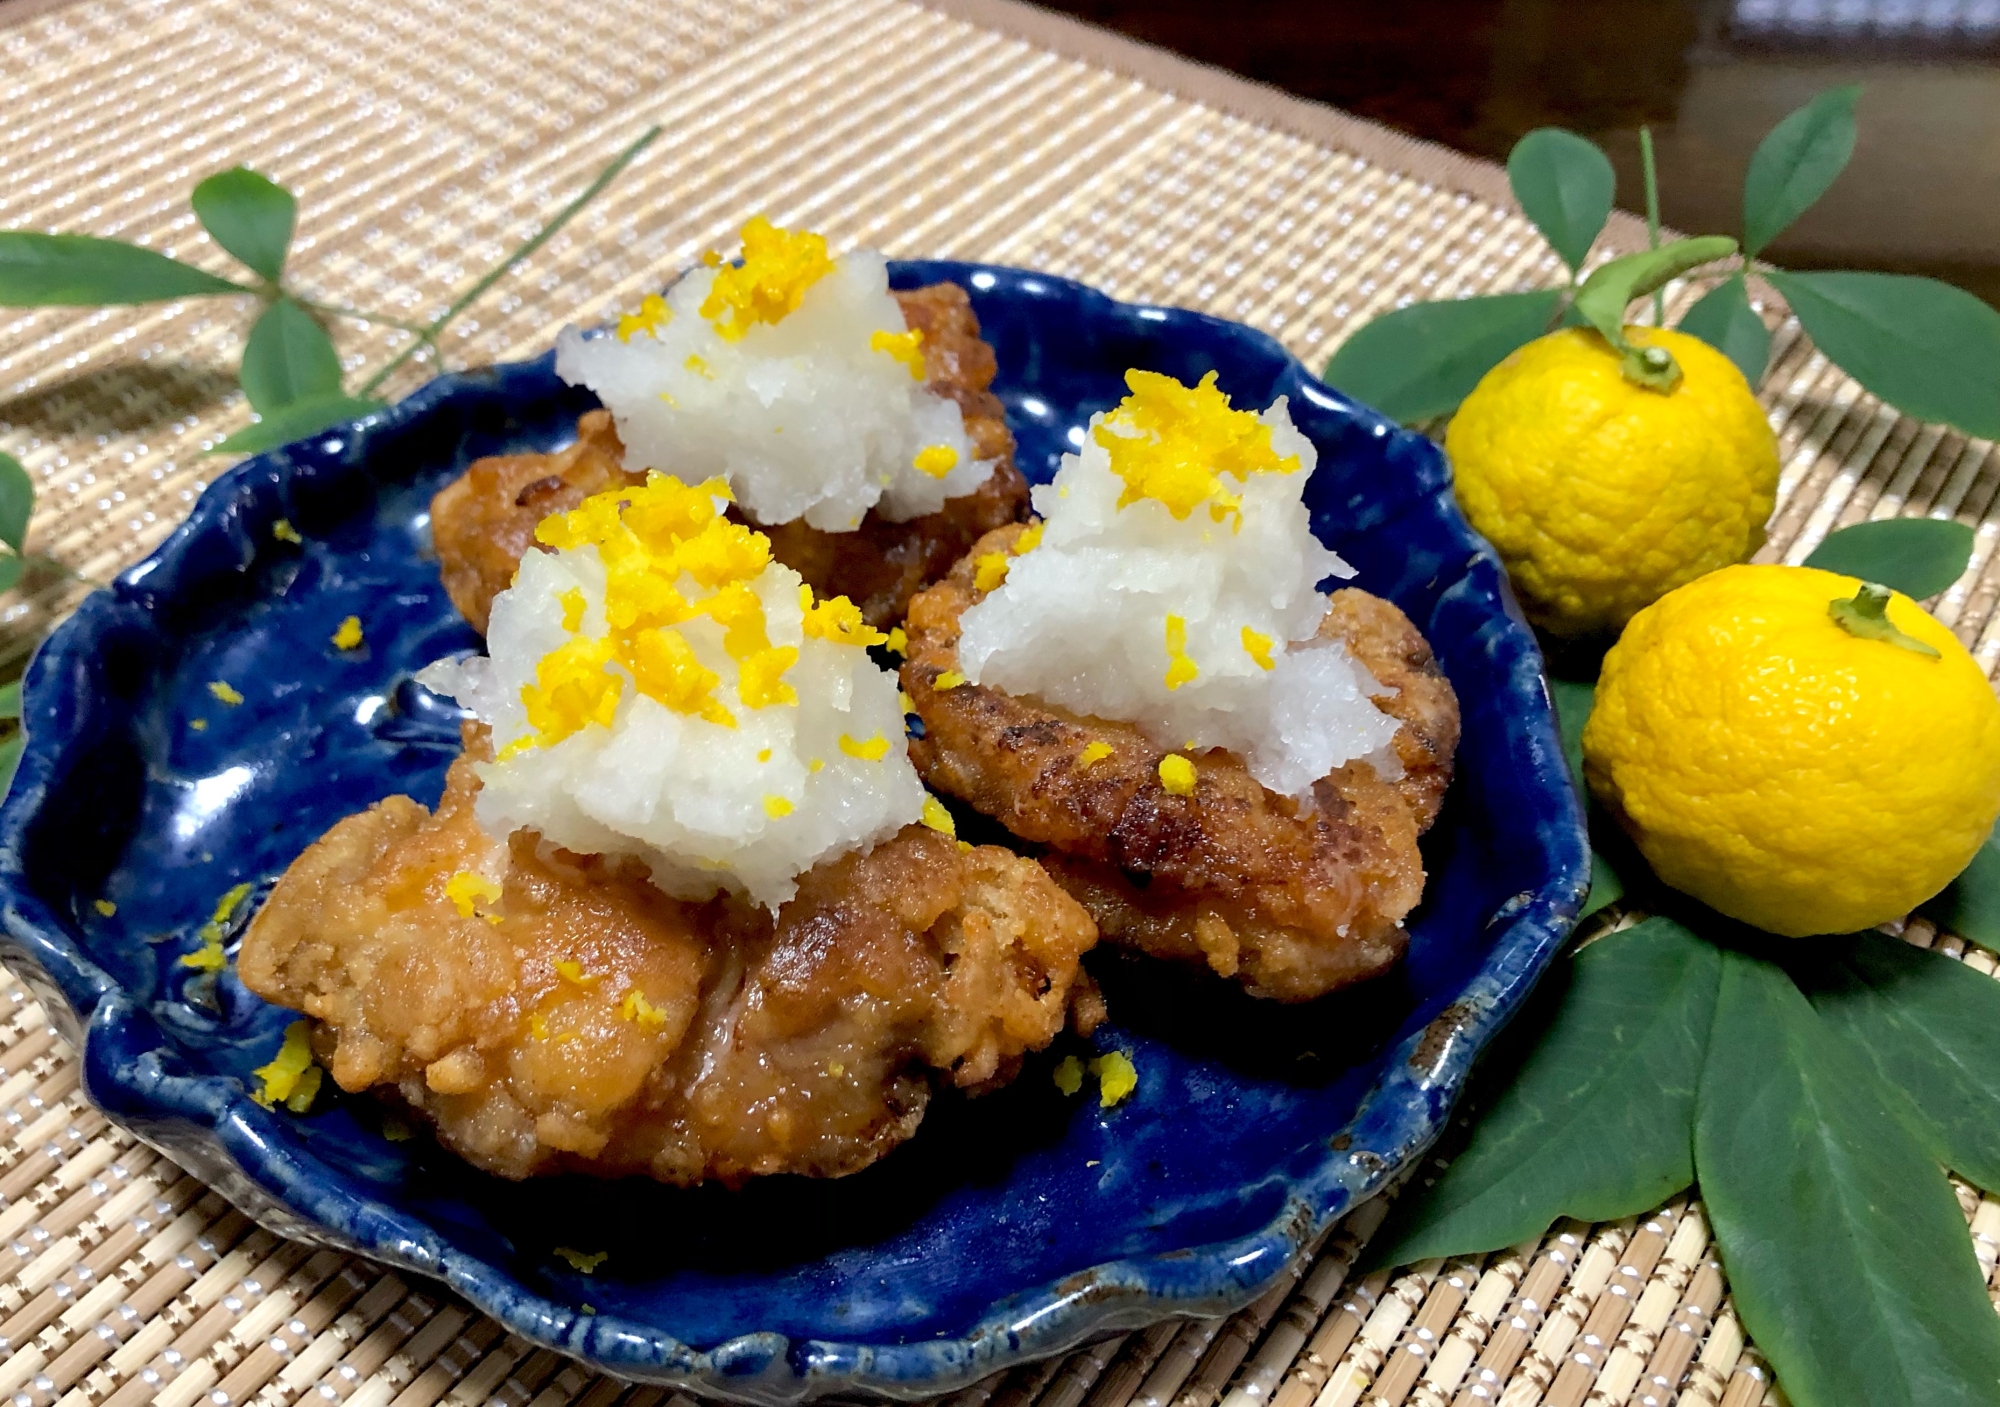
938 818
769 284
1175 443
1116 1075
1177 774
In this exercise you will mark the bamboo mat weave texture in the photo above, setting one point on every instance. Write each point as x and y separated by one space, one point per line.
425 138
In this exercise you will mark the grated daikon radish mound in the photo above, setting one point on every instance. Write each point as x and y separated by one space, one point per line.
1174 583
658 687
792 377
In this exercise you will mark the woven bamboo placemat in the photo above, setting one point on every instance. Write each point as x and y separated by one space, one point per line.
425 137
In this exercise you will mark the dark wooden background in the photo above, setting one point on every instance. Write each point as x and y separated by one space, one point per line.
1709 76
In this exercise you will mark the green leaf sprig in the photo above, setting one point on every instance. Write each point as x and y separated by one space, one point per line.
1815 1093
290 372
1930 350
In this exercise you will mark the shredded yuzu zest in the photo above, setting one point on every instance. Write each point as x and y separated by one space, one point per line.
663 545
285 532
950 679
1177 774
1068 1074
1258 645
635 1007
210 956
348 636
698 364
938 818
1116 1077
468 890
290 1078
989 570
1092 754
1029 540
224 692
898 641
1180 668
874 750
905 347
777 807
571 971
104 907
936 460
653 315
1174 443
778 267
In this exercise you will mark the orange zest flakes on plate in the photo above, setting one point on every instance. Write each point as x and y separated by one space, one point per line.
285 532
348 636
290 1078
778 267
222 692
1116 1075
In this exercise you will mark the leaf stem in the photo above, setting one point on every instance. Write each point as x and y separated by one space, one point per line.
341 310
427 336
1652 179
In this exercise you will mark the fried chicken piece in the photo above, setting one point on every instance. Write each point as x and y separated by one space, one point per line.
581 1020
485 519
1291 905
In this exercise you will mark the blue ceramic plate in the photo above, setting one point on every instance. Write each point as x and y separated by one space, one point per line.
1010 1227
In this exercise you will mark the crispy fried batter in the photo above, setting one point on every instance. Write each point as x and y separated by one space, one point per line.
808 1045
1290 905
485 519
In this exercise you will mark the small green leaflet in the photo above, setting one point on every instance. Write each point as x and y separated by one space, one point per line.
1573 701
1565 185
250 216
287 359
11 567
1916 556
1844 1246
1931 1028
1612 286
10 700
69 270
1795 163
1593 1123
1421 361
1928 349
17 501
296 422
1725 320
10 758
1970 904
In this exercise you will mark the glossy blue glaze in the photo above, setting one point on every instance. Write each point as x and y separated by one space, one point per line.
1012 1227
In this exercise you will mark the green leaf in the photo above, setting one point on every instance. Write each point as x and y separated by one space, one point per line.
1594 1121
10 700
1564 184
1573 700
296 422
1916 556
1724 319
1612 286
1844 1246
10 570
1931 1028
249 215
1422 360
17 501
10 758
1970 904
44 271
1795 163
288 358
1928 349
